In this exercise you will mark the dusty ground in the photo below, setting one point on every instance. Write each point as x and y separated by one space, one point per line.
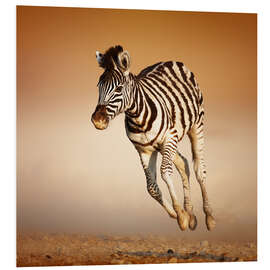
79 249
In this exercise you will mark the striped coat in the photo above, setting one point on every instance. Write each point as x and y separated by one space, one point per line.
162 104
173 101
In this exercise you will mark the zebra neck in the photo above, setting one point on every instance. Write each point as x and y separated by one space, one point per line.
137 103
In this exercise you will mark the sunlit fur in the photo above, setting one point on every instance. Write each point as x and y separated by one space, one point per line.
162 104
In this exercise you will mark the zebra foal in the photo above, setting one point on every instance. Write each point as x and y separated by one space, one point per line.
161 105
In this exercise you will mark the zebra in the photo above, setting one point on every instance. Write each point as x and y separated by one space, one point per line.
162 104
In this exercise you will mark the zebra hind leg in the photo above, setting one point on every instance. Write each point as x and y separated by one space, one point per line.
181 165
197 144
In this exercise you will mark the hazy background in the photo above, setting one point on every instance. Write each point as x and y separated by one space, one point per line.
74 178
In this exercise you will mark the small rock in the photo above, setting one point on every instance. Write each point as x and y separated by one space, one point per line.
172 260
48 257
117 261
170 251
204 243
115 255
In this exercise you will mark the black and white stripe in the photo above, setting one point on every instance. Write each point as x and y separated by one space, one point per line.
162 104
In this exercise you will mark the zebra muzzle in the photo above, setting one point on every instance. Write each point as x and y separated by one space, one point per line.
99 117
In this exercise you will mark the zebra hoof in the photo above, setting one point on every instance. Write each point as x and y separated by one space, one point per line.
183 220
210 222
192 222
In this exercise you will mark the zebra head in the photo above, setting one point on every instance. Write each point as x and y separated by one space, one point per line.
114 86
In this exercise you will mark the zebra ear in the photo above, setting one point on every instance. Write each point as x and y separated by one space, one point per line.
124 61
99 57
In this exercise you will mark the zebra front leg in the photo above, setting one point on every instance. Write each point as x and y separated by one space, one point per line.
168 155
148 160
181 165
197 143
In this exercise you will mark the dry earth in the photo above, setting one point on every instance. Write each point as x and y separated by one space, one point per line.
81 249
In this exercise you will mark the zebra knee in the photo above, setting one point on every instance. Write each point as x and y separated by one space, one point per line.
200 170
166 170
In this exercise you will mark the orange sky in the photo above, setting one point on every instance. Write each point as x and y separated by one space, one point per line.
74 178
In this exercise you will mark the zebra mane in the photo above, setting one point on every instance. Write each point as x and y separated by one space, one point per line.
110 56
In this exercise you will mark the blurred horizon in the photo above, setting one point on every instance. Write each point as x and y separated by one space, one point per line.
73 178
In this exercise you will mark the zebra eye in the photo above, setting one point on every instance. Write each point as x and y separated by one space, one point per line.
118 89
